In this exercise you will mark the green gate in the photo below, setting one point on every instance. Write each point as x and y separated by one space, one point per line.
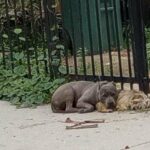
84 19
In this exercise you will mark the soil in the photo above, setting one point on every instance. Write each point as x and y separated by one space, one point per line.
124 61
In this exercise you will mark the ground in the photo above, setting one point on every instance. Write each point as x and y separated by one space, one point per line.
106 64
40 129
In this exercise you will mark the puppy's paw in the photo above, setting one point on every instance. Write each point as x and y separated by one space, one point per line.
147 103
81 110
107 111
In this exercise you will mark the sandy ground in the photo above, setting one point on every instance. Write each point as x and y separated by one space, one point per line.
40 129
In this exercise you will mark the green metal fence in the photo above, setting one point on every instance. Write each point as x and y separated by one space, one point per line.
30 41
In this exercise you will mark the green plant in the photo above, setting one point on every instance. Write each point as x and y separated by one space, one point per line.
147 34
26 55
16 87
80 58
24 92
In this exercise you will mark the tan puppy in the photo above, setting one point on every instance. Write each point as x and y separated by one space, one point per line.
132 100
128 100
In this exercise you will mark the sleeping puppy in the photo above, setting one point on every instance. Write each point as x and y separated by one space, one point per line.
82 96
132 100
128 100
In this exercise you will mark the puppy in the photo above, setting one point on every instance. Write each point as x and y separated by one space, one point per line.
132 100
82 96
127 100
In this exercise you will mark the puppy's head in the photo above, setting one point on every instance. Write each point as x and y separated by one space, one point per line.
107 94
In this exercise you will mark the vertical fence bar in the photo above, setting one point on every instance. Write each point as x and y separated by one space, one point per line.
82 39
48 26
34 36
129 56
97 5
140 58
26 38
66 60
73 37
15 11
2 44
42 25
65 49
9 34
16 24
127 37
108 37
90 36
118 41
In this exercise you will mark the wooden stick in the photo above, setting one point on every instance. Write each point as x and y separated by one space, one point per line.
77 126
68 120
94 121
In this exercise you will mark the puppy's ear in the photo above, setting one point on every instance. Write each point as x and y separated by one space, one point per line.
112 82
99 86
101 83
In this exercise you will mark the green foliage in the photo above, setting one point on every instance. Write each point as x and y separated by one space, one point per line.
147 33
81 60
5 36
22 50
24 92
17 31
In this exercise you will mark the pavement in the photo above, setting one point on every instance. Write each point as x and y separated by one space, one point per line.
40 129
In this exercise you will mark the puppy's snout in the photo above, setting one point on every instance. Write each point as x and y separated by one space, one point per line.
111 105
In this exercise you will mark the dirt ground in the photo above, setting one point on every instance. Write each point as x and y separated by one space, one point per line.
124 60
40 129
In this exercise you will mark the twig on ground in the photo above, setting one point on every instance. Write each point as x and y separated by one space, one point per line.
68 120
133 146
81 124
78 126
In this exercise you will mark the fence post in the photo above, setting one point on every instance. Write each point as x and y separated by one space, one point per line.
139 44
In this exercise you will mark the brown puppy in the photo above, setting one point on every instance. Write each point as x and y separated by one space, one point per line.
132 100
82 96
128 100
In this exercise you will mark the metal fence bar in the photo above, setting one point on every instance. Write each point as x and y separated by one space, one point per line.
82 40
9 35
97 5
65 49
90 36
46 41
118 41
107 78
73 37
26 38
15 11
3 50
129 56
48 25
34 36
66 60
127 32
16 25
2 45
42 22
108 37
141 66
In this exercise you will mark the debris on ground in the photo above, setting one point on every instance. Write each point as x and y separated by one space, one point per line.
83 124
